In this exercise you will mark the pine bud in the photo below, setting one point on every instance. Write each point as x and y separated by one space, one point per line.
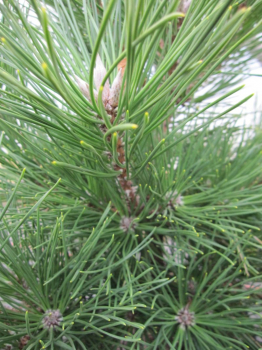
84 87
115 89
52 318
127 224
185 317
99 74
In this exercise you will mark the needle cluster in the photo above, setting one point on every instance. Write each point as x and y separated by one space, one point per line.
130 193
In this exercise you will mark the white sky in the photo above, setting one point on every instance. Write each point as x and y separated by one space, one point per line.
251 109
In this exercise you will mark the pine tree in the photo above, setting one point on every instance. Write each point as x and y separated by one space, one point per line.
131 197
